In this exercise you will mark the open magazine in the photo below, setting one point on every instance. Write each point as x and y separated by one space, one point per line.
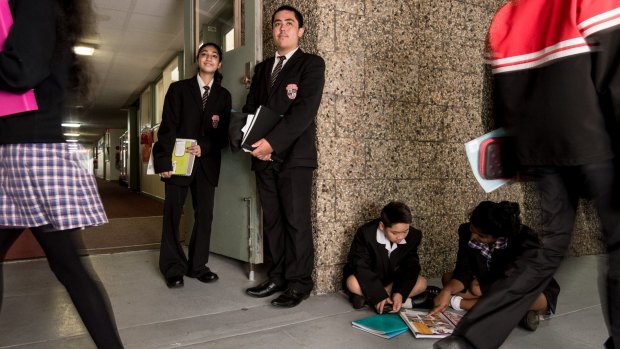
426 326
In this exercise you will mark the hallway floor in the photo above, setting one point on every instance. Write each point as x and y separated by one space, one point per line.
37 313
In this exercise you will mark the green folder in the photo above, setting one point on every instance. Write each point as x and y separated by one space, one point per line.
182 161
382 325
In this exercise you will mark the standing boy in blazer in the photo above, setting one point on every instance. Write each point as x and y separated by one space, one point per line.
196 108
285 159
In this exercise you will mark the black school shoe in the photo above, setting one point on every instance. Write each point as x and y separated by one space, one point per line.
530 321
425 300
358 302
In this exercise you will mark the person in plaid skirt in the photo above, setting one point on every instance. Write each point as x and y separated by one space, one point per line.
488 244
44 183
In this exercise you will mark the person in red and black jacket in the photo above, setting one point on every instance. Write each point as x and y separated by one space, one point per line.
556 83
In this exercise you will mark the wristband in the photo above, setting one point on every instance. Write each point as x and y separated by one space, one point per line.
455 302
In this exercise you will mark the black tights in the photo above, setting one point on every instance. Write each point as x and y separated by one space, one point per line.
88 297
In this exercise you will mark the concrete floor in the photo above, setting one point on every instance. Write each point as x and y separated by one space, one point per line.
37 313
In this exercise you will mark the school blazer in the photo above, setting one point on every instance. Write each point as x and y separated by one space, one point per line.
369 262
183 117
471 264
296 95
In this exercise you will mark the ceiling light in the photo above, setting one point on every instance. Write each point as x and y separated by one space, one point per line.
84 50
71 124
72 140
72 134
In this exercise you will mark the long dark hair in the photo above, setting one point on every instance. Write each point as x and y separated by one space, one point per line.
75 19
497 219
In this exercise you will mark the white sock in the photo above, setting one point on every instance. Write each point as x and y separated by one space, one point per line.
455 302
408 303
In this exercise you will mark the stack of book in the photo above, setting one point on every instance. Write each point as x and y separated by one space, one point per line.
383 325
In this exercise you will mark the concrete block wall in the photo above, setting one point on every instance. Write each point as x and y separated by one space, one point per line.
406 87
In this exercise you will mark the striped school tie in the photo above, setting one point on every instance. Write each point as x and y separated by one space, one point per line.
277 70
204 97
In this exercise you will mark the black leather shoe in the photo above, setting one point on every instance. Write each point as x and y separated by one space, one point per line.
174 282
208 277
453 342
358 302
290 298
265 289
530 321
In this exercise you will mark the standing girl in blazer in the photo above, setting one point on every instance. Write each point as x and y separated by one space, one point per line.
196 108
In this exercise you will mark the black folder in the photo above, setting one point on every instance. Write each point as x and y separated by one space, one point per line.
263 121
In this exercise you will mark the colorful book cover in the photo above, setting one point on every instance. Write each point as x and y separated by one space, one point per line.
472 149
12 103
431 326
182 161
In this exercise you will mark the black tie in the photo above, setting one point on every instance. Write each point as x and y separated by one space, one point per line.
277 70
204 97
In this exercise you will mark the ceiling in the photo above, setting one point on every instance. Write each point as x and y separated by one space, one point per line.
134 40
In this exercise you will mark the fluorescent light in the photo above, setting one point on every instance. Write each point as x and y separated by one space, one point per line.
71 124
84 50
72 134
72 140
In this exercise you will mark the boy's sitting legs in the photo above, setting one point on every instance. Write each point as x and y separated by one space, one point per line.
358 300
356 296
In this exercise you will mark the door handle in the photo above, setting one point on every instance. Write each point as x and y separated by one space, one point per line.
246 81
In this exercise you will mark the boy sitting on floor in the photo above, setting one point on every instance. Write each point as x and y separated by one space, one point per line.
383 268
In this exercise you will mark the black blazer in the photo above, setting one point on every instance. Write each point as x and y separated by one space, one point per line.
471 264
183 117
369 262
296 95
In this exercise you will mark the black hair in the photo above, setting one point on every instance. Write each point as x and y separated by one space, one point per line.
76 18
497 219
214 45
217 77
298 15
395 212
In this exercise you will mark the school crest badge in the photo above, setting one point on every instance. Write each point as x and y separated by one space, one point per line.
291 91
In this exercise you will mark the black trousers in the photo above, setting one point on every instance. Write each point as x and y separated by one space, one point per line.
285 197
172 260
491 320
89 298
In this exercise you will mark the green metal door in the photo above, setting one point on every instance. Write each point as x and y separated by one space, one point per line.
236 229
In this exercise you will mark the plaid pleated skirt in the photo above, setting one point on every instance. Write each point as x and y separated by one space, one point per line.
47 183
